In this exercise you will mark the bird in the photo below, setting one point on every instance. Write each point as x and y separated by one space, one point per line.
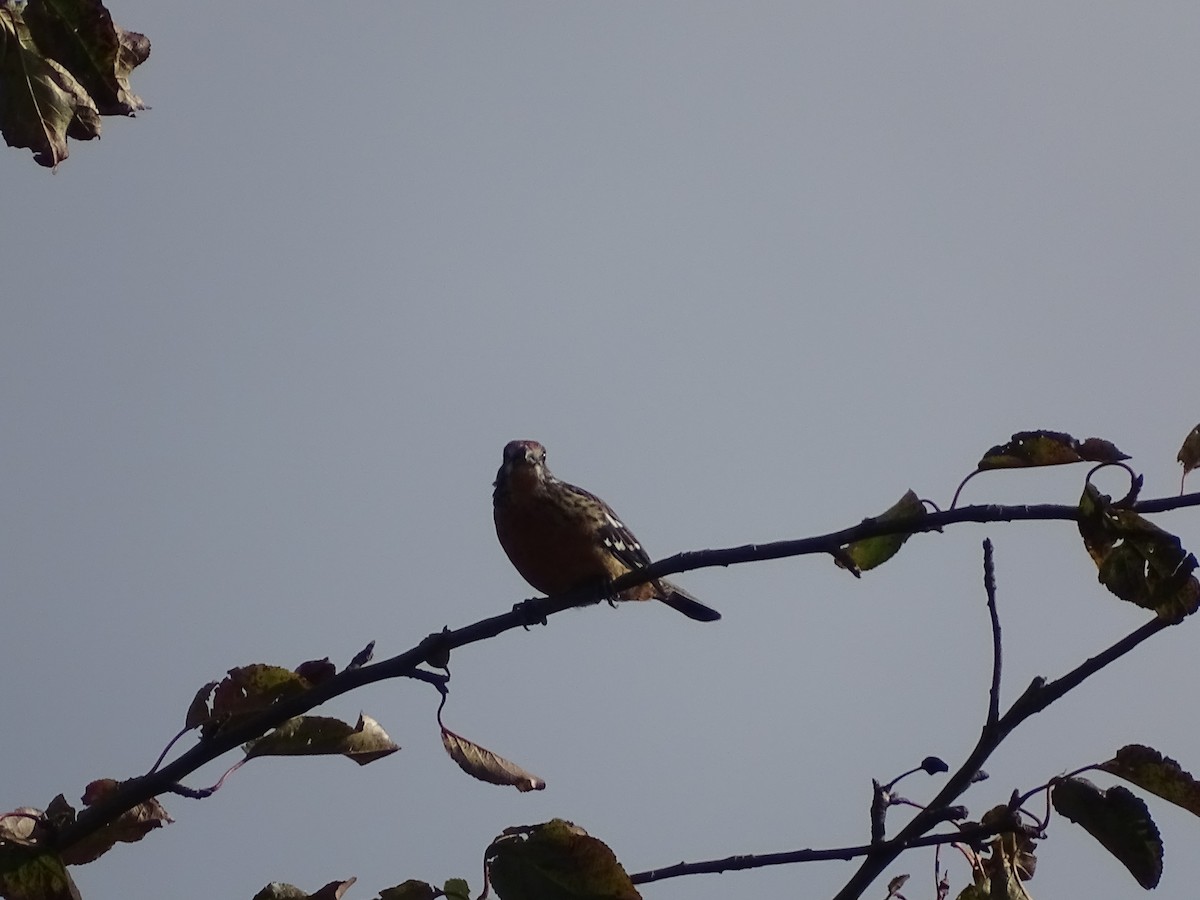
560 537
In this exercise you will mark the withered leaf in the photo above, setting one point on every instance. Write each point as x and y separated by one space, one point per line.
129 827
1161 775
481 763
1189 454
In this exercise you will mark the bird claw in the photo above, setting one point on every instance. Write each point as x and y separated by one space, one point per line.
610 595
529 614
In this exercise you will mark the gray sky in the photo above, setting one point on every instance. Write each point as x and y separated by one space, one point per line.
750 271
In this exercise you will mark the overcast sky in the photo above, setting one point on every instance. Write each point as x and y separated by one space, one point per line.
749 271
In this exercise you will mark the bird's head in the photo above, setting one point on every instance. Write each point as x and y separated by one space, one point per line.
524 464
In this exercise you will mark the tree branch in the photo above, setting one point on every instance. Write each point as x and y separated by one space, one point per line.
1039 695
141 788
974 834
989 585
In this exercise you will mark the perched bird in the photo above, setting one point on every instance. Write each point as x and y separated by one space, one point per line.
560 537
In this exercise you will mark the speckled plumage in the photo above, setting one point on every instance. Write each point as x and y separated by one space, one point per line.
561 537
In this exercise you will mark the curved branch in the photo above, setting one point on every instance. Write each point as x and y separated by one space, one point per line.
141 788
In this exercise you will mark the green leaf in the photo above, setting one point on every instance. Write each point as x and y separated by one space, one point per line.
1138 561
1158 774
26 875
1048 448
363 743
868 553
556 861
1117 819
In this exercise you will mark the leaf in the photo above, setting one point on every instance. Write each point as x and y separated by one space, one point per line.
977 891
277 890
1158 774
481 763
20 825
409 890
335 890
41 103
1138 561
1048 448
1189 454
555 861
362 657
82 37
323 736
248 690
894 886
316 670
129 827
31 875
198 712
933 765
1117 819
1012 860
871 552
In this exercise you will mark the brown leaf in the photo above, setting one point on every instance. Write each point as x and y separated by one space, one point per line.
1048 448
83 38
481 763
198 712
1189 453
129 827
1161 775
41 103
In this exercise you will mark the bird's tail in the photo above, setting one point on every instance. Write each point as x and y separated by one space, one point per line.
681 601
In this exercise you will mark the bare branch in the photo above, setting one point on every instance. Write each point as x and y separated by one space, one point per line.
989 585
1039 695
974 834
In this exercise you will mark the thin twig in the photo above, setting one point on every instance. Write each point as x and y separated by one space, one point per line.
971 834
989 585
1039 695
